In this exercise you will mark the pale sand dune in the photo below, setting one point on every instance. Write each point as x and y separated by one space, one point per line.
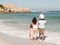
8 40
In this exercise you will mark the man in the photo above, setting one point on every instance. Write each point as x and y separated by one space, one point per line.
41 25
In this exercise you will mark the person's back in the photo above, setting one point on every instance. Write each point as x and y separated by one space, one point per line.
34 23
35 26
41 23
41 27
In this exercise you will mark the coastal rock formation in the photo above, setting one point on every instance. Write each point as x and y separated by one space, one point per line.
1 10
13 9
21 10
26 10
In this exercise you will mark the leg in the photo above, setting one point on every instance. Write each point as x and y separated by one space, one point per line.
39 36
34 42
42 36
43 39
39 33
39 42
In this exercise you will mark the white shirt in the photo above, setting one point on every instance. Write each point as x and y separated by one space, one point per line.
42 23
35 27
41 16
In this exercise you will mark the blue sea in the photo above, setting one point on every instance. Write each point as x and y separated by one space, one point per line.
21 21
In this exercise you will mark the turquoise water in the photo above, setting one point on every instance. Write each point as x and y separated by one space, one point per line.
23 20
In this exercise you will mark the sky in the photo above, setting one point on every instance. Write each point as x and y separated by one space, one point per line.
35 4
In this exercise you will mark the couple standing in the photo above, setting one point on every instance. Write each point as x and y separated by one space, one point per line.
37 27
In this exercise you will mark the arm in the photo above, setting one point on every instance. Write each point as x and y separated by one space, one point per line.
30 33
45 22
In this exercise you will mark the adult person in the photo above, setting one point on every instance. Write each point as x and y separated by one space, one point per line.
41 25
33 29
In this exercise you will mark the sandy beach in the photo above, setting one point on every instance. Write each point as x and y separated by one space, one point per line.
16 16
13 40
4 42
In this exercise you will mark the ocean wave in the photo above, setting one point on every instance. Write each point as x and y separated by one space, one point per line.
53 37
12 25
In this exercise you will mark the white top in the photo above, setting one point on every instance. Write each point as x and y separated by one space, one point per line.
41 16
35 27
42 23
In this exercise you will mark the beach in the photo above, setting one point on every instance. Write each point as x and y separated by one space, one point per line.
13 40
21 38
16 17
14 28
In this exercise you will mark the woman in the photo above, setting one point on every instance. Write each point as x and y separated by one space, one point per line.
35 27
33 30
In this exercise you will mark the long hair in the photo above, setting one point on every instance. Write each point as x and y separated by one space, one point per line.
34 20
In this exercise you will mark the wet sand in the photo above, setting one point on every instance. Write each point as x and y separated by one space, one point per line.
12 40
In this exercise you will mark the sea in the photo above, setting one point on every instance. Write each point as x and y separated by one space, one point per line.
22 21
17 24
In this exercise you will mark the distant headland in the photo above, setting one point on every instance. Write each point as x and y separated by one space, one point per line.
11 8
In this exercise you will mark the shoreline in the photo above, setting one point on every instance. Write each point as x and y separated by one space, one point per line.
50 36
4 42
19 40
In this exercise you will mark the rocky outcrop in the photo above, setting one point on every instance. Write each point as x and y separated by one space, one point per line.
1 10
12 8
21 10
